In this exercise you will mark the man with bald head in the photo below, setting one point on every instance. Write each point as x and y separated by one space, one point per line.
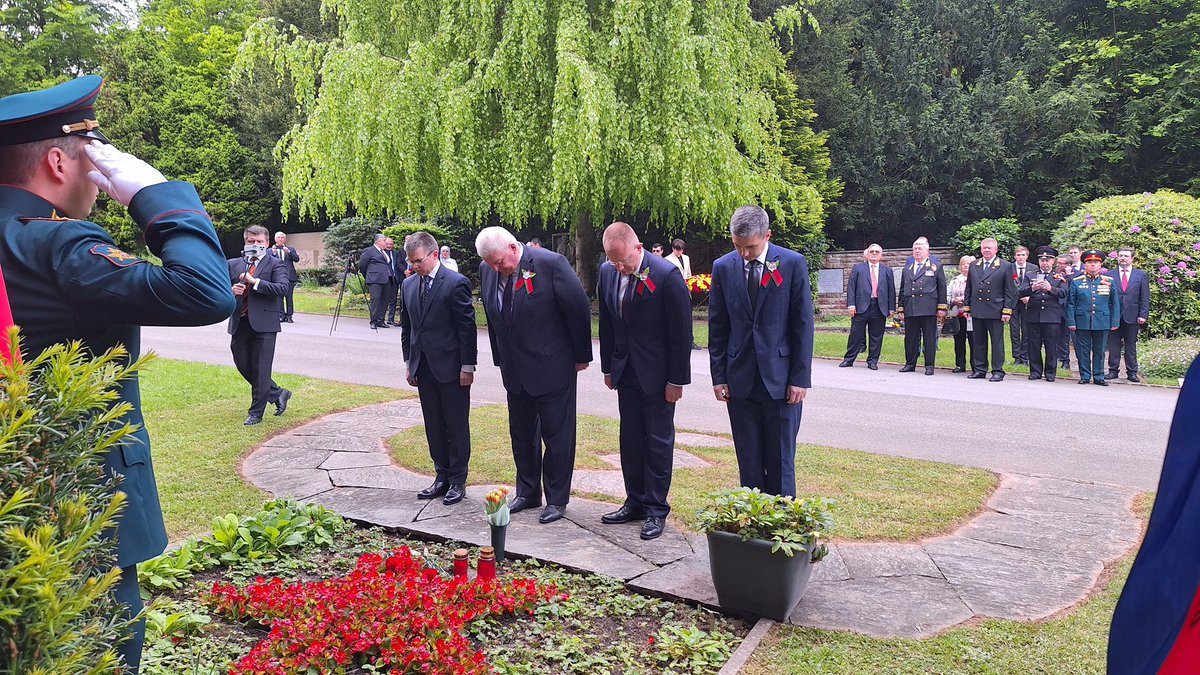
645 339
289 256
871 300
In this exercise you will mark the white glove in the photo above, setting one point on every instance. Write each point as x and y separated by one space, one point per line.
120 174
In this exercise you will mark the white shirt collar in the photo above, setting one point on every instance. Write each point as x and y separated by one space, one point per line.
433 273
762 258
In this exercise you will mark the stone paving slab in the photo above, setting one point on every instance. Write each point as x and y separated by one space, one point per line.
1037 547
680 459
702 440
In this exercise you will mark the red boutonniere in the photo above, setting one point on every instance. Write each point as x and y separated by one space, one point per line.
1015 277
644 281
526 280
772 273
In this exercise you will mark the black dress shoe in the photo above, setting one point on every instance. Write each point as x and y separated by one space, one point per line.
959 369
846 363
454 494
872 365
252 420
1102 383
928 370
520 503
1111 375
281 404
976 376
996 377
1085 382
1049 378
622 515
551 513
1034 377
1134 378
652 528
439 488
382 324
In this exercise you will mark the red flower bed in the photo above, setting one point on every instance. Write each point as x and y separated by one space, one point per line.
391 611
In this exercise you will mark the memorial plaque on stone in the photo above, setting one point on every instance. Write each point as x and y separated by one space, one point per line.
830 281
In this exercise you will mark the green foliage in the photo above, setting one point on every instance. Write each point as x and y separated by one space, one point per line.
349 236
1163 228
169 571
688 649
792 524
1167 357
399 231
44 42
57 568
561 110
1006 232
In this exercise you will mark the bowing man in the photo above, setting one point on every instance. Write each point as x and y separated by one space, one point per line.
645 355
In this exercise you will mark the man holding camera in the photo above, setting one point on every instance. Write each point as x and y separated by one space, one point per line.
289 257
1043 293
259 282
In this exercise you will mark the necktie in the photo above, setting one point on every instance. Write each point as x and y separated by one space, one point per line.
1124 280
426 283
507 303
874 282
752 284
627 297
246 295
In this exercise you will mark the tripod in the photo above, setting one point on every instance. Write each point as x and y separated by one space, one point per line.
337 310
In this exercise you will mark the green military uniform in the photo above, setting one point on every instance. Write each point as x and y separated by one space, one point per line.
67 280
1093 310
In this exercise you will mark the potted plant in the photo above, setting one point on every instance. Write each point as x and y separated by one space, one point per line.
761 548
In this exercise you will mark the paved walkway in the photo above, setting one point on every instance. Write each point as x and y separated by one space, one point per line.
1036 549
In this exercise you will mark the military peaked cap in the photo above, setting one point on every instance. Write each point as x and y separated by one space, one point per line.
1047 252
62 110
1092 254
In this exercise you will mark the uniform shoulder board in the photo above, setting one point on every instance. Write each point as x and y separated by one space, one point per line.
53 216
115 255
1080 277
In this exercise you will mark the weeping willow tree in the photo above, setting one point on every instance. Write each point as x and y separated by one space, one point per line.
572 111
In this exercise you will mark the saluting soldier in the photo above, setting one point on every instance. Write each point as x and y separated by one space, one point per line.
1093 310
67 280
1043 291
991 295
922 304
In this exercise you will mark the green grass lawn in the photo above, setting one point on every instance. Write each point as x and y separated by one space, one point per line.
879 497
194 413
1072 643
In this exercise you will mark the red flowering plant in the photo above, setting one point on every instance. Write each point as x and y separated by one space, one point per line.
392 612
699 283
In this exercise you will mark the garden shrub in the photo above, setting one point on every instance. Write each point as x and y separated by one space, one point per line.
1163 357
1163 228
1006 232
57 567
349 236
398 231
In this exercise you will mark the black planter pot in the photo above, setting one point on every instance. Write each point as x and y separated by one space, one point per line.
751 580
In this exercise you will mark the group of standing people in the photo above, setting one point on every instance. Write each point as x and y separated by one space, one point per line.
539 326
1048 306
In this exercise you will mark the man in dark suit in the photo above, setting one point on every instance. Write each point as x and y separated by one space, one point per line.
922 304
1133 290
438 338
392 293
376 267
67 280
991 296
259 282
539 325
1045 292
760 327
645 354
289 257
1016 325
871 299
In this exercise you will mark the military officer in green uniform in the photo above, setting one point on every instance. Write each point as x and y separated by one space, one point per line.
67 279
1093 310
922 304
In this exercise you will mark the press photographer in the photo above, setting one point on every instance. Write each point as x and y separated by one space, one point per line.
259 282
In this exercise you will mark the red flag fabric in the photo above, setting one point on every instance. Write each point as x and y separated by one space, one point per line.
6 320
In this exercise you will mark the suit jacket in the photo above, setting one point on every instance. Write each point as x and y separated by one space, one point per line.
1022 279
1045 306
551 327
289 259
773 339
858 291
265 301
682 263
375 267
1135 302
655 339
441 332
923 290
991 289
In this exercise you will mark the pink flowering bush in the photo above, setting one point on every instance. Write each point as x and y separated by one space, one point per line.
1163 228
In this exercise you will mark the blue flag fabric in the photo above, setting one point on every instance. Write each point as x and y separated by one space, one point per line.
1151 629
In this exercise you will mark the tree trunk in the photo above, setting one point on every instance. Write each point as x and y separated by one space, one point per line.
585 253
